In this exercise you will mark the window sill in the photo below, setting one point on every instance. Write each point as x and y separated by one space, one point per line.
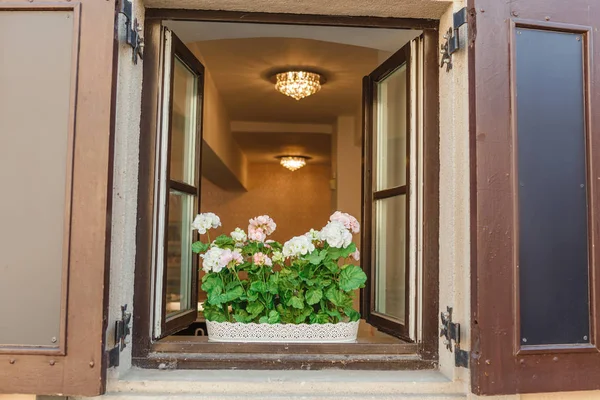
197 353
259 384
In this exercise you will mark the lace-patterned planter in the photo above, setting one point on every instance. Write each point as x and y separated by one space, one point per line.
342 332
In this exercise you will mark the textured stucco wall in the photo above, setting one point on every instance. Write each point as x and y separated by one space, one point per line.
125 187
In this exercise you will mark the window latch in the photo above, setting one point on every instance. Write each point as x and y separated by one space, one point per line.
122 330
450 331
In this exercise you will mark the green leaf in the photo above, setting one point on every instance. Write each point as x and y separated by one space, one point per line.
296 302
242 316
316 257
212 313
258 287
255 308
332 266
352 314
352 278
215 296
319 318
231 295
211 281
251 296
335 314
199 247
263 320
338 298
273 284
273 317
301 318
224 241
313 296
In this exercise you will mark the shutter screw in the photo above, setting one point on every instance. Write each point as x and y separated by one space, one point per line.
488 362
92 364
524 340
11 361
555 359
514 14
578 38
547 18
481 10
52 362
53 340
522 361
585 337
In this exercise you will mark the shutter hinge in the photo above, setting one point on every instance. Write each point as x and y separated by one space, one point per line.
451 331
132 29
122 330
452 41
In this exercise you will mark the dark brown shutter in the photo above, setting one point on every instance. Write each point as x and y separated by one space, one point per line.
535 134
55 275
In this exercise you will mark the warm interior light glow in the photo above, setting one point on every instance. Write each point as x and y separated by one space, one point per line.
293 162
298 84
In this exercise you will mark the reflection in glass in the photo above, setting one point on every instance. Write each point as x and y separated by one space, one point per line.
183 123
179 253
390 130
390 256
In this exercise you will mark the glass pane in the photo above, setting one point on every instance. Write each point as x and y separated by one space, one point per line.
179 254
183 124
390 121
390 256
553 210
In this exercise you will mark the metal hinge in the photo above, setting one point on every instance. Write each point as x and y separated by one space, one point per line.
122 330
132 29
451 332
452 43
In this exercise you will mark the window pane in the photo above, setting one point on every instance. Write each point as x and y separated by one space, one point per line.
390 256
179 254
553 232
390 130
183 124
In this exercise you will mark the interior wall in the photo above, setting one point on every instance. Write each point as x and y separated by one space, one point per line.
297 201
216 131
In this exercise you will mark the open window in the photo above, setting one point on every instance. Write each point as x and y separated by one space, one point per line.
178 188
249 127
386 175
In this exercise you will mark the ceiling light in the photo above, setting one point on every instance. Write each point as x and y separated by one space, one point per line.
298 84
293 162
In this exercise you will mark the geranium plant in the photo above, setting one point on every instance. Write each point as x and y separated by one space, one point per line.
308 279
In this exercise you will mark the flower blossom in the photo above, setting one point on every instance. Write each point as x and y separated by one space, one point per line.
278 257
347 220
239 237
336 235
206 221
313 235
262 259
260 227
356 255
297 246
215 259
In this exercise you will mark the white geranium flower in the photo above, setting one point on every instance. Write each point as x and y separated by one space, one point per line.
336 235
278 257
297 246
313 235
211 260
205 221
239 236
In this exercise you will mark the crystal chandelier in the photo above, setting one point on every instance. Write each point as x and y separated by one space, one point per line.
298 84
293 162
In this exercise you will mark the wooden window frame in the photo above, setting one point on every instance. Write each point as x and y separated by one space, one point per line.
196 352
371 195
182 319
500 365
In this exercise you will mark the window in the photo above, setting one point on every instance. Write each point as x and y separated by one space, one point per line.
394 204
178 185
387 182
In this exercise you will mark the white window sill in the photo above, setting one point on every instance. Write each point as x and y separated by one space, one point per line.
260 384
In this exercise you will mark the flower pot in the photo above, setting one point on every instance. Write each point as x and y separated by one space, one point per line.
342 332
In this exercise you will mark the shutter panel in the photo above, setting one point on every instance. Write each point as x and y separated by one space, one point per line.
535 127
56 86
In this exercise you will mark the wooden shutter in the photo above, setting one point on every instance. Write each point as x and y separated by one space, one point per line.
56 86
535 134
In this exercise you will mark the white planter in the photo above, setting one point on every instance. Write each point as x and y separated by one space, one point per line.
342 332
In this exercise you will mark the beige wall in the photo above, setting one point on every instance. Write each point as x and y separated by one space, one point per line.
297 201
